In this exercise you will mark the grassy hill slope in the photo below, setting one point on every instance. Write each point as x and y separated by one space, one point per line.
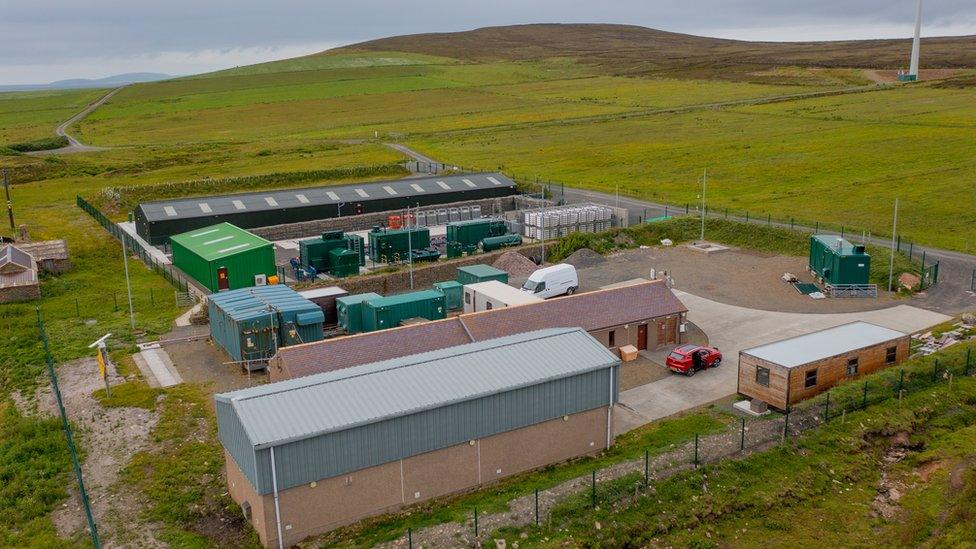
632 49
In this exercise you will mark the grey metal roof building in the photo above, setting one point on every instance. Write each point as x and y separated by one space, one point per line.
337 422
827 343
157 221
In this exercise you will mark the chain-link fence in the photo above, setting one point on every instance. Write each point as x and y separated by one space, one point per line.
739 439
134 247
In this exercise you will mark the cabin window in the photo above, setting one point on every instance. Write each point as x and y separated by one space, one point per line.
613 338
762 376
891 355
852 366
811 379
488 306
467 298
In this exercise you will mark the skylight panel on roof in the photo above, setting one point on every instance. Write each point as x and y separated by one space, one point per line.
271 201
444 186
239 205
170 211
302 198
216 240
389 190
332 196
204 233
417 187
205 208
362 193
493 180
469 183
232 248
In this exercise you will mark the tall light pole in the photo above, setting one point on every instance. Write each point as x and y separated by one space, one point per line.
704 186
409 247
894 231
128 283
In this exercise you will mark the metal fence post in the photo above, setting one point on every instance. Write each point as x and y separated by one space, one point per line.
972 285
817 230
536 506
827 408
77 308
742 434
593 489
747 216
842 231
864 399
727 216
646 469
686 208
923 259
911 248
791 222
901 381
935 370
769 219
696 450
786 423
969 351
115 298
475 522
409 538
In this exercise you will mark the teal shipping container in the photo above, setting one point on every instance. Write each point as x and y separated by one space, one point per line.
390 246
388 312
349 310
473 274
452 291
252 323
836 261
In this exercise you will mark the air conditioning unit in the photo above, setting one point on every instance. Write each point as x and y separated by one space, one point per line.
261 280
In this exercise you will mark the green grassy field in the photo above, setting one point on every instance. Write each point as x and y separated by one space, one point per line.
26 116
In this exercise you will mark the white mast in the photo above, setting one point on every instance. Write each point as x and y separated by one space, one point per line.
913 69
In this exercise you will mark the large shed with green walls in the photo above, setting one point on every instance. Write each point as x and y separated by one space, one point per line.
223 257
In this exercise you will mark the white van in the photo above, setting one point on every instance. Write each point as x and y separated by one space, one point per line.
552 281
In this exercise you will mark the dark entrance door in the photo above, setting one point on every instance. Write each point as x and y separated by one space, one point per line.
642 337
223 282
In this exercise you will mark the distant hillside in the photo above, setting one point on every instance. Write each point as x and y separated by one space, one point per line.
79 83
629 49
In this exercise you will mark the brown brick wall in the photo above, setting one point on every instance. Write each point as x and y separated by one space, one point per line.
830 372
309 510
19 293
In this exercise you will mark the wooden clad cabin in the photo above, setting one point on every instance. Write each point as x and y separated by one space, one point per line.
791 370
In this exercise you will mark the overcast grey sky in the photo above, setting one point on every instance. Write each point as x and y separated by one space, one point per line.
44 40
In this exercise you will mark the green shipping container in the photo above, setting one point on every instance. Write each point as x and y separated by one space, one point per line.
493 243
388 312
315 251
837 261
452 291
343 262
349 310
389 246
473 274
471 232
205 253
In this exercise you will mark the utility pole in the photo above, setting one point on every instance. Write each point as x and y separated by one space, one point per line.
894 231
128 283
10 204
410 246
704 186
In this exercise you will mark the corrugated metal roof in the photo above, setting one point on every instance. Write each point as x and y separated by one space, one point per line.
46 249
313 196
218 241
814 346
306 407
590 310
249 303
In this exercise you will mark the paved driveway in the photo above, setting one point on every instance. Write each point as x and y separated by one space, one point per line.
731 329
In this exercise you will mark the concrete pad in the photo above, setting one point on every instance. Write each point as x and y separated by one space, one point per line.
184 319
732 328
156 366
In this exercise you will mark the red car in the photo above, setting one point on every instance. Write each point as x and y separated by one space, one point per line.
689 358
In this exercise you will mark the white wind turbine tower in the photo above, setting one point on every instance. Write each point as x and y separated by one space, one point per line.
913 67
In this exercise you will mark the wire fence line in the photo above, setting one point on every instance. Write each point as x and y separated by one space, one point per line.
740 439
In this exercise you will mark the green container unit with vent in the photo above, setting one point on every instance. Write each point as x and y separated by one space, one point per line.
349 310
388 312
452 291
343 262
471 232
472 274
223 257
314 252
836 261
392 245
